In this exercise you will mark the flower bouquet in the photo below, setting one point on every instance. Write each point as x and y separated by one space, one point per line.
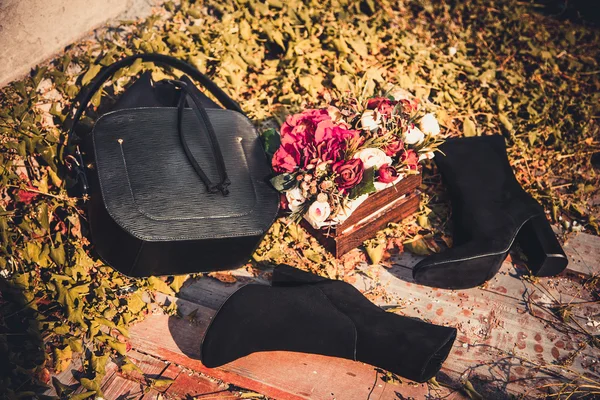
328 161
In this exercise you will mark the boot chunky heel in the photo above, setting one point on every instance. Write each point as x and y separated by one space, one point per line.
545 256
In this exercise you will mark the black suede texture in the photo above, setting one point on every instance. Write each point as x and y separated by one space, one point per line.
306 313
266 318
489 207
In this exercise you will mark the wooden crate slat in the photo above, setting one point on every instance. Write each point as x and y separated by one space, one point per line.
369 229
389 205
380 199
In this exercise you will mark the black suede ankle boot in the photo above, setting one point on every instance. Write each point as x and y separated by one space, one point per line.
489 211
305 313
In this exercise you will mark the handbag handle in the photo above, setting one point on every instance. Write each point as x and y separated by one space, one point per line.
108 71
189 96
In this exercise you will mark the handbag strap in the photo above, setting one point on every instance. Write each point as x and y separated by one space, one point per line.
189 96
110 70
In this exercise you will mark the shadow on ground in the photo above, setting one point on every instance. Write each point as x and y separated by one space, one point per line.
22 355
577 11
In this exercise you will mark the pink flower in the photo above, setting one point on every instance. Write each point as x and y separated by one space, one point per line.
394 148
328 130
330 150
348 135
285 159
331 140
310 138
317 213
324 131
410 159
350 173
300 128
382 104
387 174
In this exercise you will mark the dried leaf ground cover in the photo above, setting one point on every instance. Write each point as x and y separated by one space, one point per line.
499 67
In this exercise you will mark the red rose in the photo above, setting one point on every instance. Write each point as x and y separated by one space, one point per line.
410 159
381 104
349 173
394 148
387 174
285 159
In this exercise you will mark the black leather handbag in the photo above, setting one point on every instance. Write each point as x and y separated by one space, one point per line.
177 183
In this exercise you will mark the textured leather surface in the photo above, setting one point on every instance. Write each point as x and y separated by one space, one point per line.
150 189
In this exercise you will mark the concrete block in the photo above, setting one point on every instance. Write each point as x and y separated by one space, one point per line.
31 31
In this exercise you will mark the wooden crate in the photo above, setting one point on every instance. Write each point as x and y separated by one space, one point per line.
390 205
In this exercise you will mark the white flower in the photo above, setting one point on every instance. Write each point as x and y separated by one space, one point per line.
429 125
372 157
295 199
414 136
452 51
317 213
370 120
426 156
400 94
